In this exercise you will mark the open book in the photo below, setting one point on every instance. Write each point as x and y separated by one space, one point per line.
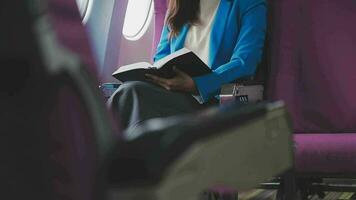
184 60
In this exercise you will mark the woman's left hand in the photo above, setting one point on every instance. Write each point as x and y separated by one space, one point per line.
181 82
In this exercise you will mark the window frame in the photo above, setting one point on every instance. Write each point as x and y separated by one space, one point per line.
85 10
145 25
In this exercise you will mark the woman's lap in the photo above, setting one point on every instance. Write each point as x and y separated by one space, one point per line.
138 101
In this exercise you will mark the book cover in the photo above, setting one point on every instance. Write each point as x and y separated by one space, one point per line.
184 60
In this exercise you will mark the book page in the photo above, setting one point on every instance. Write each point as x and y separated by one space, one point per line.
139 65
164 60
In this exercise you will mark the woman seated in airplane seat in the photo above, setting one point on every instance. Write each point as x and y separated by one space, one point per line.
228 35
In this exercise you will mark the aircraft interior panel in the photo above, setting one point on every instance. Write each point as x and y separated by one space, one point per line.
71 130
105 22
98 27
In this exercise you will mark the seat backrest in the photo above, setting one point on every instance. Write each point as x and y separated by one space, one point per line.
313 58
55 131
20 169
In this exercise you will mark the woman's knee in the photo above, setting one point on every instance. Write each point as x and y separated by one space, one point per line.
135 86
128 92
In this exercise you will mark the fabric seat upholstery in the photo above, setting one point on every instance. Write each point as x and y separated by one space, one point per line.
312 46
312 58
326 154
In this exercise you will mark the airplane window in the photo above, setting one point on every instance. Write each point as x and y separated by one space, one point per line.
137 19
84 7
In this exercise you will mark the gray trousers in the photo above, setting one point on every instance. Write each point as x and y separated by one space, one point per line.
134 102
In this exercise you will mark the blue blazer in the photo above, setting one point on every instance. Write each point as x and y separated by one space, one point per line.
236 44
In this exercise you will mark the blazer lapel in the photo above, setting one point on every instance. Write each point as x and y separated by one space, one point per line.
218 29
178 42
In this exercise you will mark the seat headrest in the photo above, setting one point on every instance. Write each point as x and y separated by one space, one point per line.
67 23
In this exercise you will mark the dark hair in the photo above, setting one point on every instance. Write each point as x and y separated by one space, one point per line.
181 12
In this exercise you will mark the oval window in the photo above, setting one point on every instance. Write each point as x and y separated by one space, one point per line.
84 7
137 18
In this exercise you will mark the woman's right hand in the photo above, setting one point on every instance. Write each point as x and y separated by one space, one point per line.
181 82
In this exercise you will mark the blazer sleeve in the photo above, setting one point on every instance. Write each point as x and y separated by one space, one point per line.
246 54
163 47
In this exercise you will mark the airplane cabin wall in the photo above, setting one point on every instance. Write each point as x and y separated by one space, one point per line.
111 49
139 50
98 26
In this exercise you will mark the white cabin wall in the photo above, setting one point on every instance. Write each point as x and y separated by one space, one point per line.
129 51
111 49
138 51
98 26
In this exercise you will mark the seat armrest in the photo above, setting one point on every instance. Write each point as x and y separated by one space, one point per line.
108 89
241 93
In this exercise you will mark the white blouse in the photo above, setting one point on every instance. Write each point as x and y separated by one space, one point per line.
198 36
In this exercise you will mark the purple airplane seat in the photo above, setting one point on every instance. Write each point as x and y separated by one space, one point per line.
313 49
55 129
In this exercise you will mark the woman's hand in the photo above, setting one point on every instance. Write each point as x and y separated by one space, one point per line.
181 82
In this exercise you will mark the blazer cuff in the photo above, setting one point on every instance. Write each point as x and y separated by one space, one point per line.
208 86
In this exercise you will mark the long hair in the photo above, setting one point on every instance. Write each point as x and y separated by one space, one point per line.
181 12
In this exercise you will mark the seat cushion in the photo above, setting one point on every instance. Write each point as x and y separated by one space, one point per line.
326 153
